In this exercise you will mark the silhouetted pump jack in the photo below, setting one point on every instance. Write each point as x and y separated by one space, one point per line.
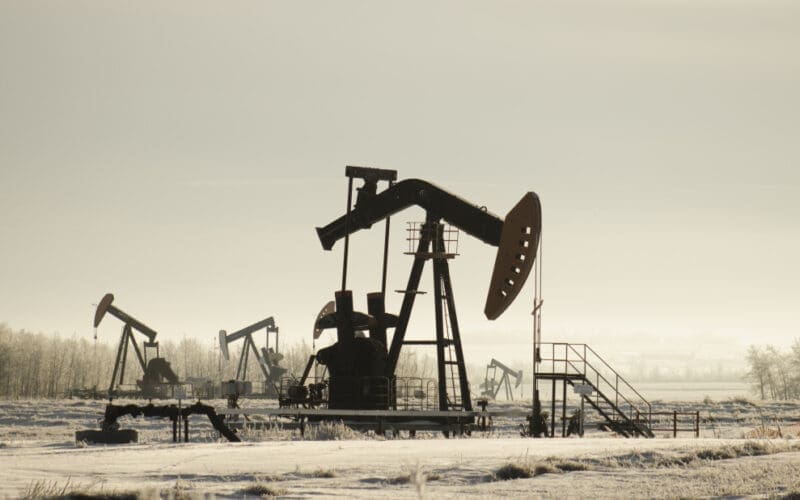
268 358
157 371
362 369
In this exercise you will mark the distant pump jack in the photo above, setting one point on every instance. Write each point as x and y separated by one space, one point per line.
157 371
268 358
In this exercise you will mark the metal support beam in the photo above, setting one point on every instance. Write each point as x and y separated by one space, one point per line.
437 293
553 412
347 231
408 303
563 408
141 359
385 251
466 400
116 362
126 335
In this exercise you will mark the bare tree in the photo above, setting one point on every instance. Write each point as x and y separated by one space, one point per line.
757 370
774 374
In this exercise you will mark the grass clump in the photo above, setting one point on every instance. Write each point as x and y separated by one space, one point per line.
52 490
401 479
511 471
526 468
331 431
406 478
722 453
262 490
319 473
324 473
544 468
725 452
570 465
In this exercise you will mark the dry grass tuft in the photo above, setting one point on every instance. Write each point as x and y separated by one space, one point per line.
262 490
401 479
324 473
331 431
511 471
406 478
569 465
722 453
52 490
544 468
526 468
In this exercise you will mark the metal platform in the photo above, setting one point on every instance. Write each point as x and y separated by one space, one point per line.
449 422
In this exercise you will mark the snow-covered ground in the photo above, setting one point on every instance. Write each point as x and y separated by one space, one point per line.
37 450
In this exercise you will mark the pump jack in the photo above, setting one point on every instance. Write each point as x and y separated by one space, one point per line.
155 371
268 358
362 368
492 387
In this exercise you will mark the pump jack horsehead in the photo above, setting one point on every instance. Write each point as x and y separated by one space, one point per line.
362 370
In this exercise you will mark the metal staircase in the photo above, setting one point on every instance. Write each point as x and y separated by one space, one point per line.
624 410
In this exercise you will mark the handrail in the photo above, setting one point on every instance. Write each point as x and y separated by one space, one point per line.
616 387
618 375
635 409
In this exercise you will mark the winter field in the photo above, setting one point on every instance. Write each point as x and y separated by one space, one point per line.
745 449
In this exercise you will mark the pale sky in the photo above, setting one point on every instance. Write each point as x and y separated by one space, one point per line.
180 155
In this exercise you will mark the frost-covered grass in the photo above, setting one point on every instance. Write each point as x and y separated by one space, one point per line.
54 490
526 467
55 421
331 431
334 460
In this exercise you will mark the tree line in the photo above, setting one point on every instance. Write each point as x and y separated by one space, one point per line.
38 365
773 373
